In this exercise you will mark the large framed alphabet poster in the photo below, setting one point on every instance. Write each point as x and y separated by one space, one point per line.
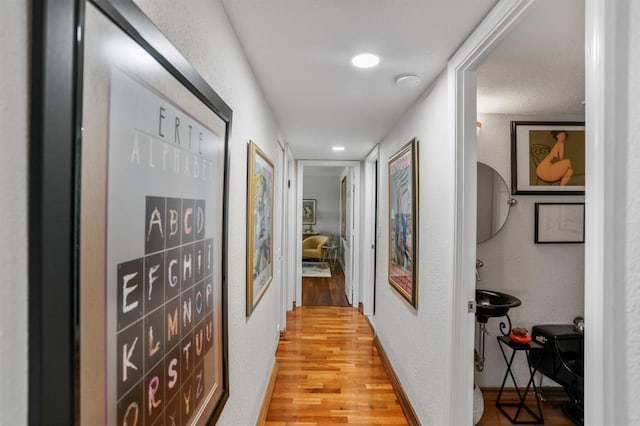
153 343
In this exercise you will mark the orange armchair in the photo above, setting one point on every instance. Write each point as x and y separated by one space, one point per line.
312 246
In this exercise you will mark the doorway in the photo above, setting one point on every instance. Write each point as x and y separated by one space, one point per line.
548 278
462 71
284 250
337 226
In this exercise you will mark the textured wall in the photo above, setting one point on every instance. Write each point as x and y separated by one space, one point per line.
14 69
632 209
548 278
202 32
416 341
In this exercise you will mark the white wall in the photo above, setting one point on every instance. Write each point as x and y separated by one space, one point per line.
202 33
416 341
14 90
547 278
627 201
326 191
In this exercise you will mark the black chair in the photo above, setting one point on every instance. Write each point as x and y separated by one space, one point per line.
562 360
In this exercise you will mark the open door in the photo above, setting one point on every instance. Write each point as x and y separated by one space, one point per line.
281 264
348 240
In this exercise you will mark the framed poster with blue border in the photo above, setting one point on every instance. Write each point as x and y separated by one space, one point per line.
139 319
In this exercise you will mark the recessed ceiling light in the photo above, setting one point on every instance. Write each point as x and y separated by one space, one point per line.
407 80
338 148
365 60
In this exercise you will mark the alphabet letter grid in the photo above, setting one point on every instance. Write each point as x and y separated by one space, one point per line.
165 316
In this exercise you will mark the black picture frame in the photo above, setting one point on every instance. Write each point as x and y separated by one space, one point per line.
532 147
54 168
559 223
52 264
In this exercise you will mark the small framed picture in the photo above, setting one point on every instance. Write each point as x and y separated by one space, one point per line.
558 223
308 212
547 158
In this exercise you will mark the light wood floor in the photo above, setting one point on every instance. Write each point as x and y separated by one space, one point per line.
330 372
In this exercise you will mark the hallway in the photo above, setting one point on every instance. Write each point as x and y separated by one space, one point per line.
330 372
153 193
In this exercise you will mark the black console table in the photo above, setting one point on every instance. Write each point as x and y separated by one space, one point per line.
522 393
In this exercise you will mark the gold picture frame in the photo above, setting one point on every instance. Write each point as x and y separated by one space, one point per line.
260 172
403 222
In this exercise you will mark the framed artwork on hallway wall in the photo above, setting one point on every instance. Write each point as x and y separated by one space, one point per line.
547 158
149 143
259 225
403 222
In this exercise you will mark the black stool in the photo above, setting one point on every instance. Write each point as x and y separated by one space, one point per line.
522 395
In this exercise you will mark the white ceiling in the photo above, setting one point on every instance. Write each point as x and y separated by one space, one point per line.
300 51
539 67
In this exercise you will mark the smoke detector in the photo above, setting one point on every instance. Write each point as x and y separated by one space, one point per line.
407 80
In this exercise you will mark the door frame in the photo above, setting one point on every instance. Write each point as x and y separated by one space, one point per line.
605 343
369 232
604 385
462 99
291 231
285 241
355 165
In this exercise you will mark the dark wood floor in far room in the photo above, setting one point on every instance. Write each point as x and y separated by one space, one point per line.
325 291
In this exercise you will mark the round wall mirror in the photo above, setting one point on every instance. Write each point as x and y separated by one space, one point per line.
494 202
